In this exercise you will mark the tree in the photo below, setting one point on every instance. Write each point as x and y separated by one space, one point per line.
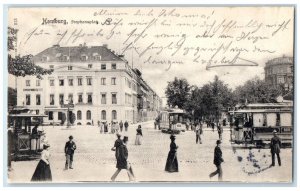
22 65
178 92
256 91
12 97
63 118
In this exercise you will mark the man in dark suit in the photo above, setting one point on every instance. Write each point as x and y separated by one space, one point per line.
275 148
217 161
126 125
70 147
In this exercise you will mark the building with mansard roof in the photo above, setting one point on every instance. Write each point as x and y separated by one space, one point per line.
92 83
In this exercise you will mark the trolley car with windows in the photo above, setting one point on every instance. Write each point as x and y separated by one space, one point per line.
255 123
172 121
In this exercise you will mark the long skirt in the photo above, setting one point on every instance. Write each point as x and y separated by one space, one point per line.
172 163
138 140
42 172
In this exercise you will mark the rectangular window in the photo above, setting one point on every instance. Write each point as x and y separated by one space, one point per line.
61 99
113 66
70 98
51 82
114 98
113 81
59 115
103 81
27 82
90 66
89 81
61 82
70 67
50 115
80 98
103 98
38 82
79 81
38 99
70 82
51 99
84 58
90 98
103 66
27 99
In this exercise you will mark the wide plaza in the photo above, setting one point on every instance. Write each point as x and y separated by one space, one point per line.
95 162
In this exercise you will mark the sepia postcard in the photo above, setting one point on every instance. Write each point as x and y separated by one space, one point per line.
103 94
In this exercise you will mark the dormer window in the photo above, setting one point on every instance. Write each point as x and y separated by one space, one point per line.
45 59
83 57
96 56
65 58
113 66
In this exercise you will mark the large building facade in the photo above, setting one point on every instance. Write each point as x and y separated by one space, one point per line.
279 72
91 83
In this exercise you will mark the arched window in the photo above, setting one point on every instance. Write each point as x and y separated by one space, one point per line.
79 115
114 115
88 115
103 115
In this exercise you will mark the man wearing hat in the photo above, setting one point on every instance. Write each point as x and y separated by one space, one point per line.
122 162
217 161
275 148
70 147
117 144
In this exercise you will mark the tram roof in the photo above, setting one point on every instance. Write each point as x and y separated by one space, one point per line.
261 111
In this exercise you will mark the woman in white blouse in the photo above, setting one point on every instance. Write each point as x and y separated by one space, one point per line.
43 171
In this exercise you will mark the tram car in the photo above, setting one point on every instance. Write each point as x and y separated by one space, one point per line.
253 124
172 121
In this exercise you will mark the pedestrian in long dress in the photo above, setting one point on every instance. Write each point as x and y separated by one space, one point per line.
126 125
139 134
112 127
172 163
275 148
43 171
122 162
105 127
217 161
117 127
121 125
70 147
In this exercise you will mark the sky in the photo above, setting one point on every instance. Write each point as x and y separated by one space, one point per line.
195 43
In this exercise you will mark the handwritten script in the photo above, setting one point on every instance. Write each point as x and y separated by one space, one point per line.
174 36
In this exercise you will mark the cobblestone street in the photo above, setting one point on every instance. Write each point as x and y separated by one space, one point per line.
95 162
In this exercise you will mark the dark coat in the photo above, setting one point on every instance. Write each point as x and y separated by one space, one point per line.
70 148
218 156
126 124
275 144
172 162
117 145
121 124
122 157
139 132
